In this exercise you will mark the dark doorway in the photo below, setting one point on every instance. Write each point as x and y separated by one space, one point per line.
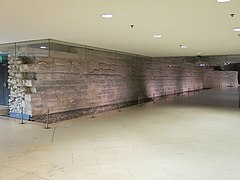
4 92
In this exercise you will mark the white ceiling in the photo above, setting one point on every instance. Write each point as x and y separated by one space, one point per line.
203 25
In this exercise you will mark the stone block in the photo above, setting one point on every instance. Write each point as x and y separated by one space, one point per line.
27 83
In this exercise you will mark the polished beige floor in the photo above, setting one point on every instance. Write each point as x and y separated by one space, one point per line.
195 137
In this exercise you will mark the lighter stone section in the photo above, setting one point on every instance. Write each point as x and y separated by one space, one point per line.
15 84
20 86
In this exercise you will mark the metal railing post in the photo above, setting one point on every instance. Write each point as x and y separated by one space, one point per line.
47 120
165 97
182 93
22 116
92 116
139 100
119 108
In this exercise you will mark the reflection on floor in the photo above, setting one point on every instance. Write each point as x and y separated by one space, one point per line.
195 136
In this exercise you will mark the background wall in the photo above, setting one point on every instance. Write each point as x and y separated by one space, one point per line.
222 79
69 84
233 67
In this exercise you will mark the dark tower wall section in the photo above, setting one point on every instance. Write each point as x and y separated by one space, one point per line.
71 85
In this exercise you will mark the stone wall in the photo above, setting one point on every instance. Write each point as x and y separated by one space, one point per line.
220 79
233 67
18 84
75 84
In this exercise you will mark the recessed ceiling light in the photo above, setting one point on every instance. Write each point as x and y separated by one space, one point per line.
43 47
183 46
107 15
237 29
157 35
223 1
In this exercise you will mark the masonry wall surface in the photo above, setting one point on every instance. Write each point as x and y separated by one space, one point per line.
233 67
222 79
71 85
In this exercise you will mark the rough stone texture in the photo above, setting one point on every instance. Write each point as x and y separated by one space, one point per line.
79 83
220 79
233 67
19 84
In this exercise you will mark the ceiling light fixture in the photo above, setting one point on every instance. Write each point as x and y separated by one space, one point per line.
237 29
157 35
183 46
43 47
107 16
223 1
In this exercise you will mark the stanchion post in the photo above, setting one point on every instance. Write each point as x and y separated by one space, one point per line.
47 120
22 116
92 116
139 100
153 98
119 108
165 97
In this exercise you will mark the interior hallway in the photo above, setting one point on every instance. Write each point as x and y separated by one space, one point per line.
195 136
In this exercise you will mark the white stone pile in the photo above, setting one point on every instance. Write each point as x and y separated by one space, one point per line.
15 85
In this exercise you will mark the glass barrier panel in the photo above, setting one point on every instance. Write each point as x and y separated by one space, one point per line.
33 48
8 49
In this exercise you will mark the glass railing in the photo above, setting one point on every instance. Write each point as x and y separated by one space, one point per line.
56 48
26 48
61 49
8 49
